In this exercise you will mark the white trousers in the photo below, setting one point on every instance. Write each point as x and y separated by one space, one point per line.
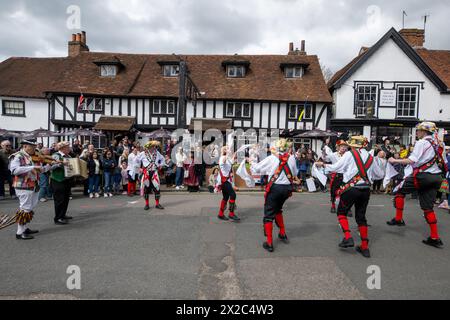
28 199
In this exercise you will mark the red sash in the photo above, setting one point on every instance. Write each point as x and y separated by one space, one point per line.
283 167
362 171
438 159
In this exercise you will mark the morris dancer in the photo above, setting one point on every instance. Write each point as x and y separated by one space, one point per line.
424 175
225 183
26 182
335 177
281 168
356 166
151 161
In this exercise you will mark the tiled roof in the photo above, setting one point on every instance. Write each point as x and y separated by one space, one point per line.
142 76
439 61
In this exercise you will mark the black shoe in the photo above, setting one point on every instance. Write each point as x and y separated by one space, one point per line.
365 253
284 238
68 218
347 243
61 222
437 243
24 236
333 210
224 218
29 231
267 247
160 207
394 222
234 218
147 208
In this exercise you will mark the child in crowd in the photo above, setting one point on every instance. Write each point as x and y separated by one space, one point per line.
212 180
124 174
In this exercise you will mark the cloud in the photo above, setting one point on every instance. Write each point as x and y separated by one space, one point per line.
333 30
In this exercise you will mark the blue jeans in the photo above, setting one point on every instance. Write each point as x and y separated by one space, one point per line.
94 181
117 182
108 182
179 177
45 189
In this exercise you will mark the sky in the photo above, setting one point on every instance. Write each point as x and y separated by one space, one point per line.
334 30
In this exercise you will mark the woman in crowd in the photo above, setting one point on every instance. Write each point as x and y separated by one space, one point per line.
94 168
109 165
169 171
192 179
180 159
303 165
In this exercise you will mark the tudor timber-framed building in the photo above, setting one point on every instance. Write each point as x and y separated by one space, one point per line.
251 91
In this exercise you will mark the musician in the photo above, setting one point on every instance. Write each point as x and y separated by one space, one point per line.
335 177
356 166
26 183
151 160
281 168
61 185
225 184
424 175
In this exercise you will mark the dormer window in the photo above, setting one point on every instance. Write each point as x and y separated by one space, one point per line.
236 67
108 70
109 66
235 71
293 72
171 70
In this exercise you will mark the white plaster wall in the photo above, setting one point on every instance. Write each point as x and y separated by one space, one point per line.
390 63
36 116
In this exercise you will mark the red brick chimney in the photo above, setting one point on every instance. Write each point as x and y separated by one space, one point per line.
303 48
415 37
78 44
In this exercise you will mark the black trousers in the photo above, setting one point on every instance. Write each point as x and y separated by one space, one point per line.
61 196
377 185
358 197
228 192
335 185
275 200
429 185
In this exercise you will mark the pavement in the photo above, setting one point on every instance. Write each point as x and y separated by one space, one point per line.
185 252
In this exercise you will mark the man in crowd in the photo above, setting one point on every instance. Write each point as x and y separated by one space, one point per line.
61 186
5 174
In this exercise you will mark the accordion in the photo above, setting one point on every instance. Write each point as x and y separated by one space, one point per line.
76 168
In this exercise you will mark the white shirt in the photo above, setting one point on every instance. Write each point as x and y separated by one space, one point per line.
423 152
270 164
142 158
133 165
180 158
348 166
225 166
333 158
379 168
326 152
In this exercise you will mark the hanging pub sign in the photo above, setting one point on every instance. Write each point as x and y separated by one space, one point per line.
388 98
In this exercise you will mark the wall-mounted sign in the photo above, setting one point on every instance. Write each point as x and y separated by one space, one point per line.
388 98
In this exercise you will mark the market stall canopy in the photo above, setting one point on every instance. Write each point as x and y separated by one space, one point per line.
39 133
158 134
115 123
219 124
317 134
